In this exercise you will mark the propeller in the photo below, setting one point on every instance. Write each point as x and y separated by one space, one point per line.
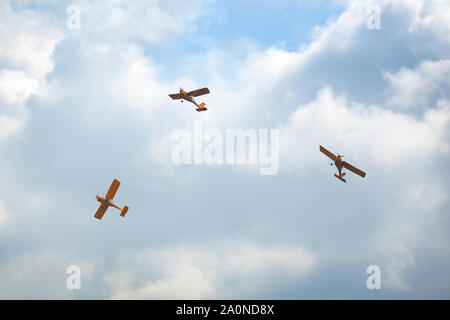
180 91
340 155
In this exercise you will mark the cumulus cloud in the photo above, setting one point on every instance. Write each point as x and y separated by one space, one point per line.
344 55
186 282
28 40
372 133
16 86
432 16
41 274
184 273
8 126
101 92
142 22
399 262
421 86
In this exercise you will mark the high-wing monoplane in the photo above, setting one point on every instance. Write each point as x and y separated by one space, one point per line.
189 96
106 201
340 164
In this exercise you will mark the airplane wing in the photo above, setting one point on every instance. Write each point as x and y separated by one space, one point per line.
353 169
113 189
101 211
328 153
198 92
176 96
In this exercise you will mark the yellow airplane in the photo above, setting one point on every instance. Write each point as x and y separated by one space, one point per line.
189 96
341 164
106 201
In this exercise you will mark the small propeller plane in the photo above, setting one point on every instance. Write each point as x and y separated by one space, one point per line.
341 164
106 201
189 96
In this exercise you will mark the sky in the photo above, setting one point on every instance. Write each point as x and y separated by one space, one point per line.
80 106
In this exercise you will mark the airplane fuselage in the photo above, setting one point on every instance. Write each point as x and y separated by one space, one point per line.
188 97
339 163
108 202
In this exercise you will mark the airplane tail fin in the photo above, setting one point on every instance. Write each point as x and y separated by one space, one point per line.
340 177
201 107
124 211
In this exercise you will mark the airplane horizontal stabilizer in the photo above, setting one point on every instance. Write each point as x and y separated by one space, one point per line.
124 211
201 107
340 178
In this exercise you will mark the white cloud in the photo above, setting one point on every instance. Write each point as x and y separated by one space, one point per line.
16 86
291 261
138 85
431 15
28 41
115 79
270 82
186 282
415 88
399 261
41 275
8 126
147 22
370 133
184 273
